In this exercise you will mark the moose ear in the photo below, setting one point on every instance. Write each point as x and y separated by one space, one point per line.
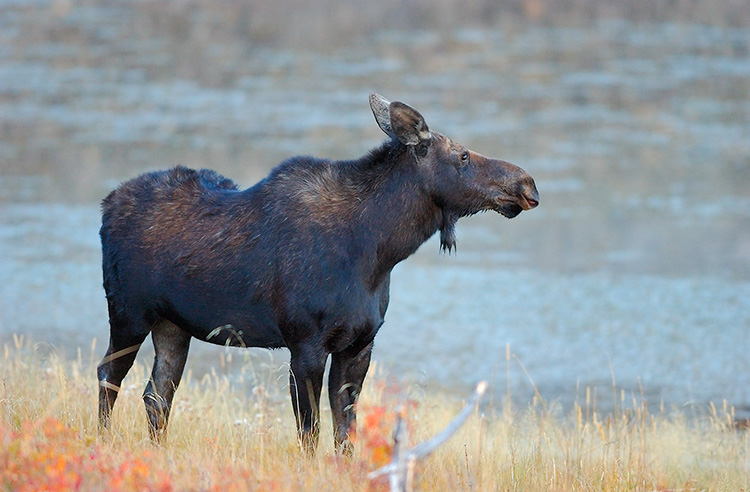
408 125
379 106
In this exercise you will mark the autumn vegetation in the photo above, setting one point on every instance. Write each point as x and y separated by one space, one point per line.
225 438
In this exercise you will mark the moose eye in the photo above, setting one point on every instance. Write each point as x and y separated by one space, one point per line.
464 157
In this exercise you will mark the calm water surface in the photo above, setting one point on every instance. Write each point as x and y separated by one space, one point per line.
635 268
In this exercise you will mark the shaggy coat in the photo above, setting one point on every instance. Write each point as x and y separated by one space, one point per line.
300 260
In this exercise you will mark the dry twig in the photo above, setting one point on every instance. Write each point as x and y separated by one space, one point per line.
400 470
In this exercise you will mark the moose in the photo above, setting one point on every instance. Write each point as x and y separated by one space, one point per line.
300 260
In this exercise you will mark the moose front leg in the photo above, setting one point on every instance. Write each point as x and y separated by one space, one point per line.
348 370
305 383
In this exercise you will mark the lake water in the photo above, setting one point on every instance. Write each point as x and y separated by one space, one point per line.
635 267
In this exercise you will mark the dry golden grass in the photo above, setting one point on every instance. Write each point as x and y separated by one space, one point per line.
224 439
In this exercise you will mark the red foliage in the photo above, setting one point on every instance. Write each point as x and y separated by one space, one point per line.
376 435
378 423
47 456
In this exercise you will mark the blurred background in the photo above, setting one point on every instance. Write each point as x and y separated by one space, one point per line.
633 117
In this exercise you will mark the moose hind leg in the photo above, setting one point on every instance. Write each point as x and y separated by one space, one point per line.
348 370
171 346
115 365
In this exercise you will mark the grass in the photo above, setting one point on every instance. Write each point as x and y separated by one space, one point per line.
224 439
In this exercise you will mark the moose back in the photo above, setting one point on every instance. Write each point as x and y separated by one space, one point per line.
300 260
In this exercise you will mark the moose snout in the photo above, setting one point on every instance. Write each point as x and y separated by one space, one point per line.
518 194
529 196
531 199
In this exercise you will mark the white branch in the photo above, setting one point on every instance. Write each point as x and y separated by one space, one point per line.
402 464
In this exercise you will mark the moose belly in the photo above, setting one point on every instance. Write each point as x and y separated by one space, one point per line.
226 323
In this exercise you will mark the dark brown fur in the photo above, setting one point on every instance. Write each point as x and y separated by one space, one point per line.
300 260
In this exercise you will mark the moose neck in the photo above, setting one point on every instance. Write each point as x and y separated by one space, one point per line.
398 211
